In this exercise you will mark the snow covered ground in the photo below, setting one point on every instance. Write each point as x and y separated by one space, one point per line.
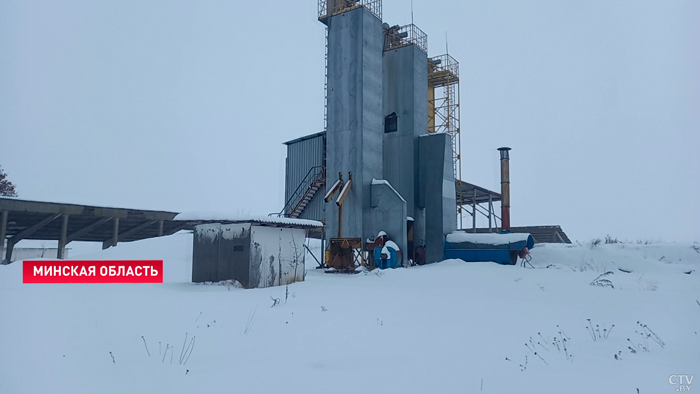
451 327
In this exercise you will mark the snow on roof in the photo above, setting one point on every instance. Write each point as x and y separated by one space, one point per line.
385 182
392 244
93 204
342 192
331 190
490 239
237 218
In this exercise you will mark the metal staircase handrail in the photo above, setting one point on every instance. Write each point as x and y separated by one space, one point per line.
314 173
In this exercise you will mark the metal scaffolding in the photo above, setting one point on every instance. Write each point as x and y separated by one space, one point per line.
328 8
443 110
400 36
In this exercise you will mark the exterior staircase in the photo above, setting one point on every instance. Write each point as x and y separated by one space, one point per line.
313 188
314 181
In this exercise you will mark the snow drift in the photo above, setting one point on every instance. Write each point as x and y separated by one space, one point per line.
451 327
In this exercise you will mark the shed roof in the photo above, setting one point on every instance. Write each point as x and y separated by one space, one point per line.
306 137
27 219
223 217
468 193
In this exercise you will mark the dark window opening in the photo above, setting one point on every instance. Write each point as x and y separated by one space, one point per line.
237 248
391 123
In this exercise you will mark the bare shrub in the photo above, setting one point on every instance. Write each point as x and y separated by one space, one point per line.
611 240
602 281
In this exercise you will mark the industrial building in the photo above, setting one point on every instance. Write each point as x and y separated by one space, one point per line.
255 253
389 157
381 185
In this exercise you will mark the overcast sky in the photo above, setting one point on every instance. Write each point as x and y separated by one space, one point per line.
183 105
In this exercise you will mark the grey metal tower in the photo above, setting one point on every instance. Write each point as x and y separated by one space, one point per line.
354 112
405 90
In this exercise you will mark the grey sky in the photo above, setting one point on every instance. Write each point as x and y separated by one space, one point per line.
181 105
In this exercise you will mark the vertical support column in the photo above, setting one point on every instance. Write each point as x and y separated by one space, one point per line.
3 233
8 252
61 254
490 211
323 246
431 107
160 228
115 236
474 212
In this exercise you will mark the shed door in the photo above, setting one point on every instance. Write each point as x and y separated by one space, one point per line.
234 253
205 253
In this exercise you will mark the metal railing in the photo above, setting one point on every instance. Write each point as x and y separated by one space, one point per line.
328 8
443 69
316 173
400 36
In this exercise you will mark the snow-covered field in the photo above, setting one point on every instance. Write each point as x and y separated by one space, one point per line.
451 327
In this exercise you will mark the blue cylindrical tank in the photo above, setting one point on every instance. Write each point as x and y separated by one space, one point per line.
393 261
499 248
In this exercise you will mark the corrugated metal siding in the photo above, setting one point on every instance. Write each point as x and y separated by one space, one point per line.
316 208
354 135
405 93
221 252
301 157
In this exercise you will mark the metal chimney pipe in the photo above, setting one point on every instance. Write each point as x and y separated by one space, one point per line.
505 190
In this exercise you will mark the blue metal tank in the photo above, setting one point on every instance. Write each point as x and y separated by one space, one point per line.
394 256
498 248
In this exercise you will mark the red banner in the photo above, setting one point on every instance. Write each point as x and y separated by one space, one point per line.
93 271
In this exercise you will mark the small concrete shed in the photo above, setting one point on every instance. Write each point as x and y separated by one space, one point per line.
255 251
